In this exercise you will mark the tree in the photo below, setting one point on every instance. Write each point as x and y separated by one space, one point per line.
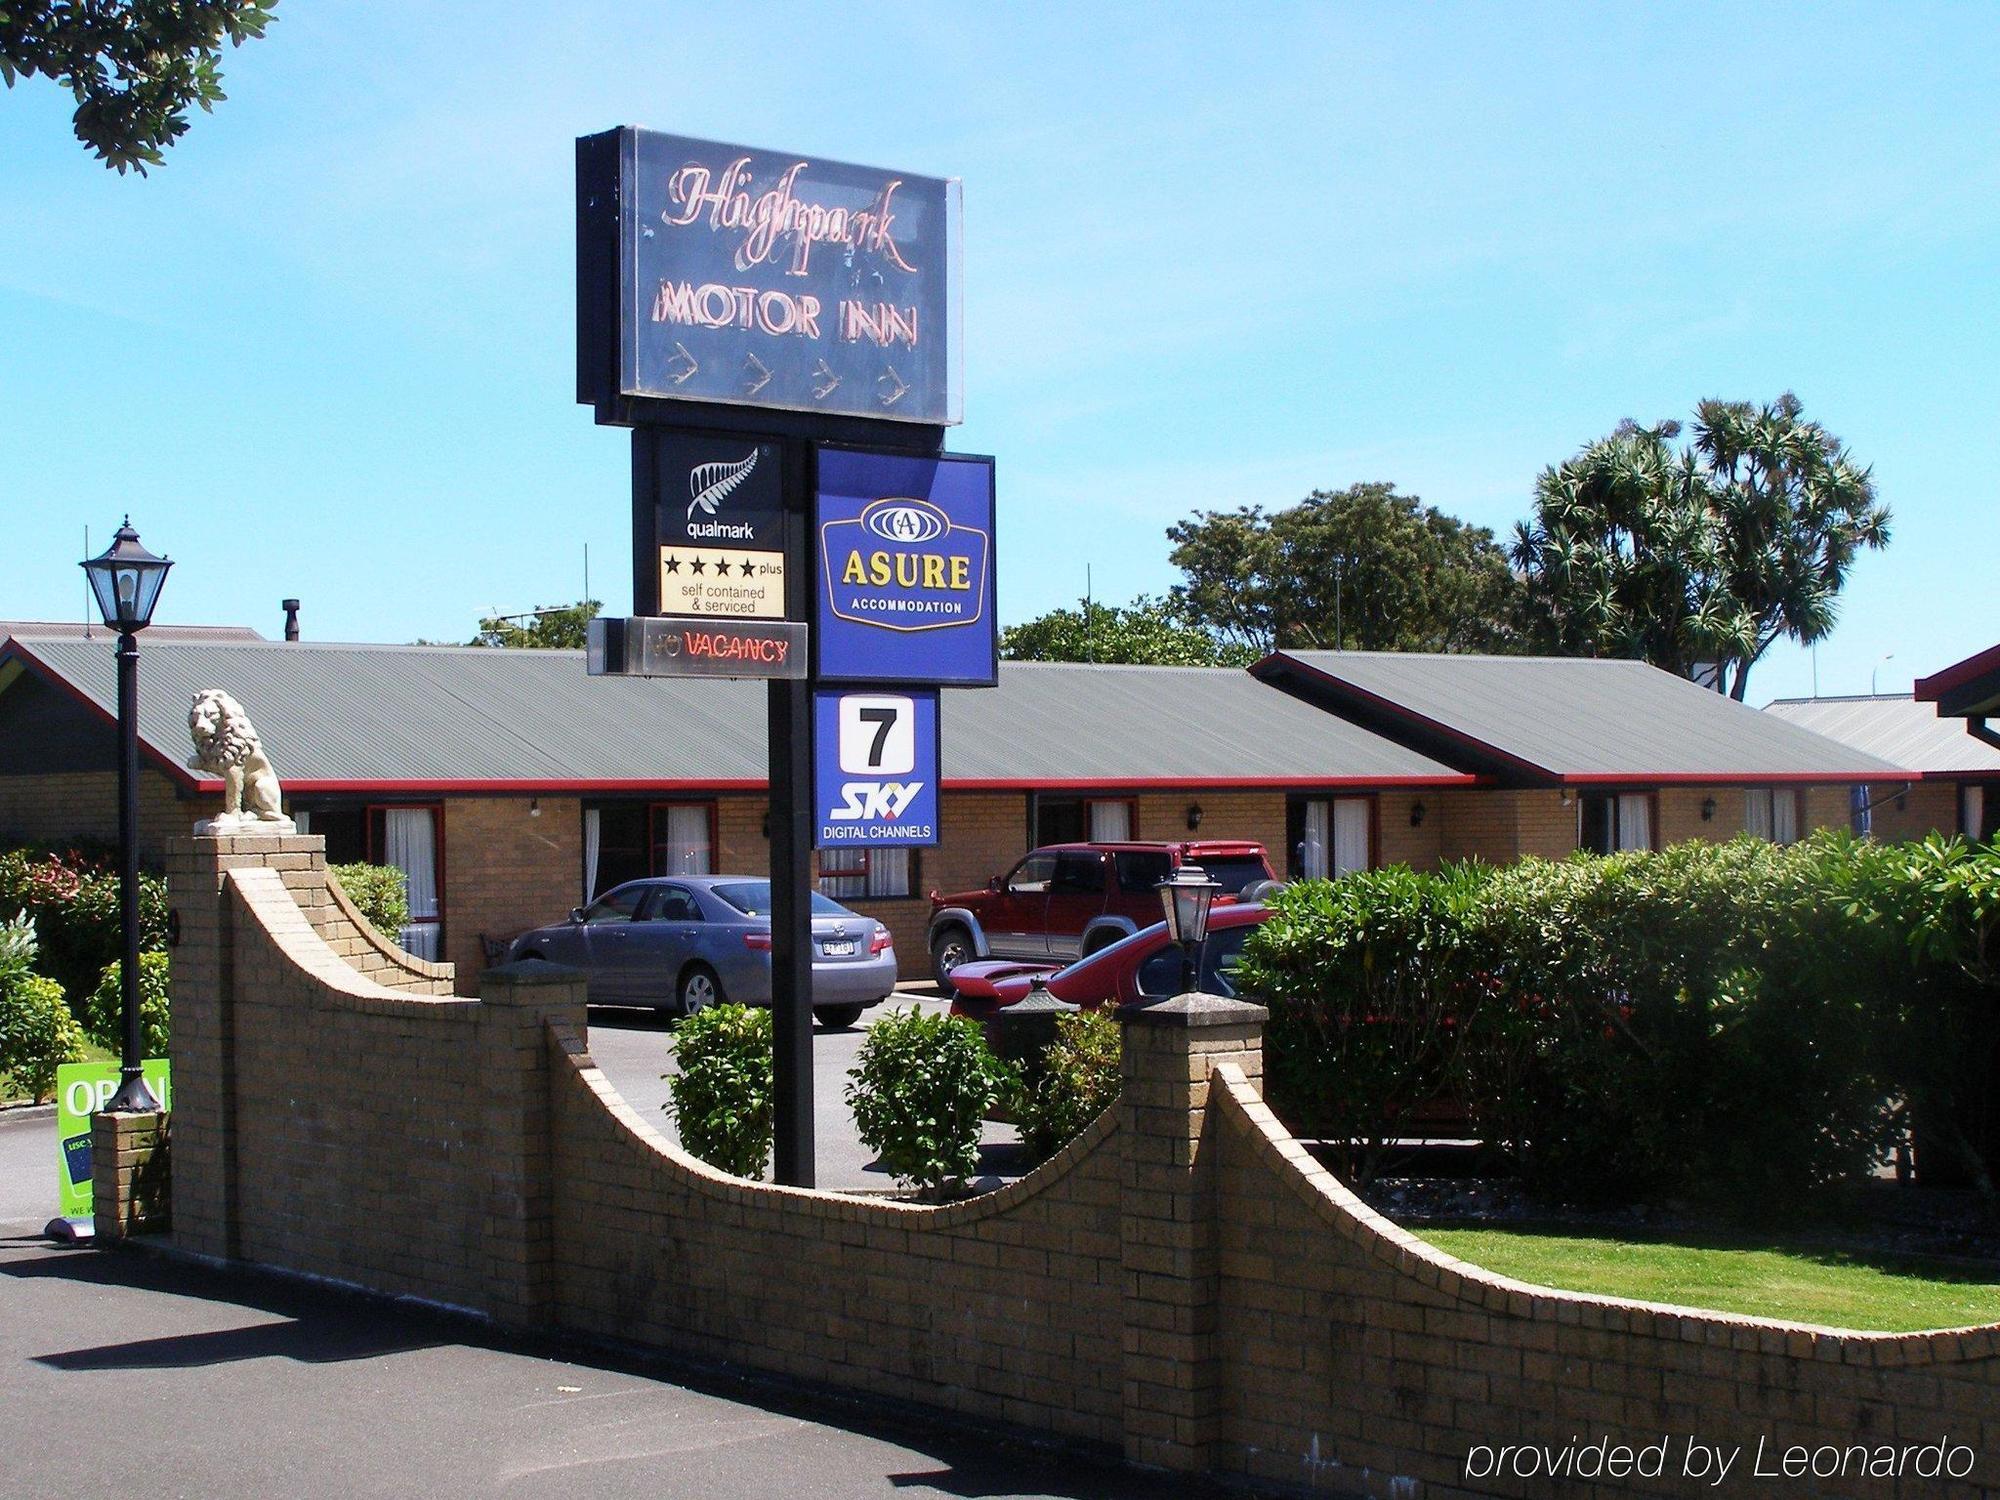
558 629
133 66
1705 554
1361 567
1148 631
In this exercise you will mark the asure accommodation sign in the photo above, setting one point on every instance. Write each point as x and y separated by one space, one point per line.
905 588
718 273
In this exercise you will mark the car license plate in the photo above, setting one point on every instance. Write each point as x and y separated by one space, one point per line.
837 949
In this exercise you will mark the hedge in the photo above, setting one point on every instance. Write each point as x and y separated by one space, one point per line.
380 893
74 896
1741 1022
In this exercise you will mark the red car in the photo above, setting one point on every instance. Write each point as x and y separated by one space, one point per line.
1066 901
1144 966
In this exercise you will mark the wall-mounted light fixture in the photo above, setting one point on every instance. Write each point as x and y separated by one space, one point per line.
1193 816
534 807
1708 809
1417 814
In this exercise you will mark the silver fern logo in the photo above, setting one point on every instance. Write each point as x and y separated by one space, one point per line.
711 484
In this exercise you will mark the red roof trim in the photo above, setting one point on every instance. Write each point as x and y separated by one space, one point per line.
537 787
1930 689
321 786
176 772
1201 783
1736 778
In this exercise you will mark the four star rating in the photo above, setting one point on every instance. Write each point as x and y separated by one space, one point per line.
746 583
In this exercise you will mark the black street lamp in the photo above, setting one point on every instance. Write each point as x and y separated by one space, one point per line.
1185 896
126 581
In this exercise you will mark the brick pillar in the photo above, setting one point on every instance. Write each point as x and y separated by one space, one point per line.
516 1259
203 1047
128 1174
1167 1219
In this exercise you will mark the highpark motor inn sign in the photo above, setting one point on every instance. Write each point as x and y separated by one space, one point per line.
764 278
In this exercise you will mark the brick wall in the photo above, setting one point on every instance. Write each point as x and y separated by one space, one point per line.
1182 1283
1927 807
84 805
506 871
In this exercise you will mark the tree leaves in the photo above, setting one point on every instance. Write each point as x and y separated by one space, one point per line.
133 67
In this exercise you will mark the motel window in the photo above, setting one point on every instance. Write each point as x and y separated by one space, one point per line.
867 873
406 837
1978 812
630 840
1772 813
1076 820
1607 822
1327 837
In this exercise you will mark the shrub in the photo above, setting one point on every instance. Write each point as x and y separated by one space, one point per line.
1369 979
1075 1082
104 1012
37 1032
919 1091
75 898
379 892
17 945
722 1095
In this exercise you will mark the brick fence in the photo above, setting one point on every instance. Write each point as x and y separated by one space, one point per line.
1181 1284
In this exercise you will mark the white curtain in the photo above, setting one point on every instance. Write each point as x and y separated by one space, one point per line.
888 872
593 842
1757 812
1313 847
1784 817
410 838
687 841
1973 805
1350 835
1635 821
1110 822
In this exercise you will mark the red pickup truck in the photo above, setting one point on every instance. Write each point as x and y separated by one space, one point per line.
1066 901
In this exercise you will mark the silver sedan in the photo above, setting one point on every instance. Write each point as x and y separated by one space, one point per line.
692 941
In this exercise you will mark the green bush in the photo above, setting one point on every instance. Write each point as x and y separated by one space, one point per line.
1075 1082
722 1095
75 896
921 1087
1729 1022
379 892
104 1012
1368 978
37 1033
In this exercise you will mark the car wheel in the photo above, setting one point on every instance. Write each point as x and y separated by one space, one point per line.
699 989
949 949
838 1017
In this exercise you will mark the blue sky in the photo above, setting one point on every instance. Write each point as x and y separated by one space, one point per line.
1214 255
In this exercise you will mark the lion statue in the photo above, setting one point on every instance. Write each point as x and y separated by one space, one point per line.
226 745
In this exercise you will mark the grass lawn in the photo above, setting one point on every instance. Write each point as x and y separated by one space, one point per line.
1762 1278
10 1093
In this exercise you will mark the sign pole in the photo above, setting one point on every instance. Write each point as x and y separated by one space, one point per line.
789 744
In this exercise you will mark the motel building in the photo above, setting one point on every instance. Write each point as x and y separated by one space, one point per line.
509 786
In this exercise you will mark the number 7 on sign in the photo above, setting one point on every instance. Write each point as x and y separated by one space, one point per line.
877 735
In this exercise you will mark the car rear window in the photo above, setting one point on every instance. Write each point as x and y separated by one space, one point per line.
1235 872
753 899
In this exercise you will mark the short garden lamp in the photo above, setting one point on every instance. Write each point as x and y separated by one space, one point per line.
1186 896
126 581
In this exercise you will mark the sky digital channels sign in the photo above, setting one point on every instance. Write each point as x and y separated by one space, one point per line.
765 278
875 760
906 569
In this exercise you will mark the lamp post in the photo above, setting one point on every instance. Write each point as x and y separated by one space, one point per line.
126 581
1185 896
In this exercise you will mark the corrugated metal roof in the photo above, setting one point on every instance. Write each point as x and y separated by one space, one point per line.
1571 718
1898 729
426 714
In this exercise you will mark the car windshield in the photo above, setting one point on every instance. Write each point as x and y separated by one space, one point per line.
753 899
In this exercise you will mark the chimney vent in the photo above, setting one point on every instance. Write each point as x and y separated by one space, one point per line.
291 608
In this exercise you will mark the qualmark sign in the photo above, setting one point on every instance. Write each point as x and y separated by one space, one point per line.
718 528
765 278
